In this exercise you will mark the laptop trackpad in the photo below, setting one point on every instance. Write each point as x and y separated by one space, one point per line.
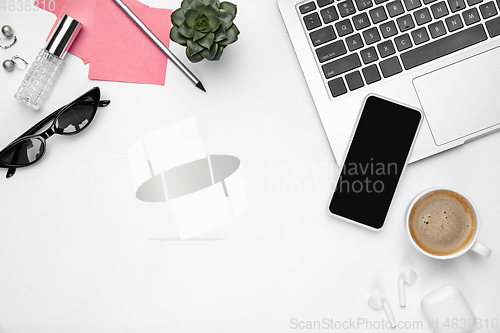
462 98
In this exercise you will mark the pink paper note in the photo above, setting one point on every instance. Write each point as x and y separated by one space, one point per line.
121 51
117 49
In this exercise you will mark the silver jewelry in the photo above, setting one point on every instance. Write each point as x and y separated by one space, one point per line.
10 64
7 32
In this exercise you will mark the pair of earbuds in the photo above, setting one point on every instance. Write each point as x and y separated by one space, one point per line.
378 301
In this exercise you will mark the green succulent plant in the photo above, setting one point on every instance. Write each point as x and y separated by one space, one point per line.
206 27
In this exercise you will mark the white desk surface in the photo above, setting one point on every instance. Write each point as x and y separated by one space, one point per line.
79 253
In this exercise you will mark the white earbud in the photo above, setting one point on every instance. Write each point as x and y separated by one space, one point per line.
408 276
377 302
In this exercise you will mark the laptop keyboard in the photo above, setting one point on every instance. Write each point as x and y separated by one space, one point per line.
360 42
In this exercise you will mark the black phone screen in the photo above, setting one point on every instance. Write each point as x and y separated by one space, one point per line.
376 158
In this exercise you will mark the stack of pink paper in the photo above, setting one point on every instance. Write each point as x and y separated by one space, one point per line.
115 47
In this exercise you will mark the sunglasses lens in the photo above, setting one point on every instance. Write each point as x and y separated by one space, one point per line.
24 152
76 118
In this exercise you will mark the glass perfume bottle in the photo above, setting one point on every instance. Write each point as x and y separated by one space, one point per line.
45 69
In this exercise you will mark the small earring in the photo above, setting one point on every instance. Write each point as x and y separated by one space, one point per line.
10 64
7 32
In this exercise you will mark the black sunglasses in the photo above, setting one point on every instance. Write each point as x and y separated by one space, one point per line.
70 119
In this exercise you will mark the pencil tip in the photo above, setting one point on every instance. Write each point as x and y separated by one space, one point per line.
199 85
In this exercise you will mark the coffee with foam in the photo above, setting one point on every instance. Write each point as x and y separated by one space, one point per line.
442 222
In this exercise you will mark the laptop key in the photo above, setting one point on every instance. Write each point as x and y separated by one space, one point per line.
361 21
343 28
473 2
420 36
354 80
386 49
378 2
329 14
405 23
471 16
456 5
369 55
341 65
390 67
323 3
412 4
312 21
488 10
403 42
354 42
308 7
378 15
363 4
395 8
346 8
493 27
431 1
331 51
439 10
371 36
388 29
437 29
322 35
422 16
454 23
371 74
444 46
337 87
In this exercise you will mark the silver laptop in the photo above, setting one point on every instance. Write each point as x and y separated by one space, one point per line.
441 56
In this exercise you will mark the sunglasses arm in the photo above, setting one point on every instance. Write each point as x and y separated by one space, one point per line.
11 170
38 126
50 117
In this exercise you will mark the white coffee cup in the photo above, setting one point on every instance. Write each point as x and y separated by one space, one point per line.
471 245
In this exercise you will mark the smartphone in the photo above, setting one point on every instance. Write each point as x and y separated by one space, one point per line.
377 156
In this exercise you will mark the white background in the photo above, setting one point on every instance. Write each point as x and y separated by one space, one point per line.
78 252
